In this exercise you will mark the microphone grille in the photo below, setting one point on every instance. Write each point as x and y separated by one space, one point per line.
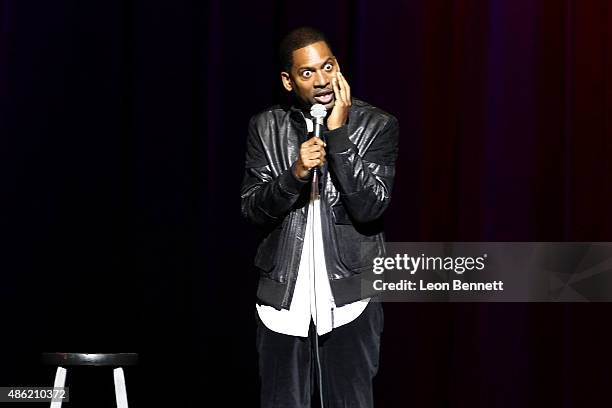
318 111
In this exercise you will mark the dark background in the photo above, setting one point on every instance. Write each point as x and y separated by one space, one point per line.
122 135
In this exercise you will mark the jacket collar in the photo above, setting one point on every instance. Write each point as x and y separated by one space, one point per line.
297 114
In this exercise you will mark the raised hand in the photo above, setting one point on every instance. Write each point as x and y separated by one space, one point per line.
342 93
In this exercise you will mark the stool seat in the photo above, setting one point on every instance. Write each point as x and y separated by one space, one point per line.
115 360
89 359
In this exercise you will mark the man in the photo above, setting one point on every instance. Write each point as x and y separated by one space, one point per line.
316 325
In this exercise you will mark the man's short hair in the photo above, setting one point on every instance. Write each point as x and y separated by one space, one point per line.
296 39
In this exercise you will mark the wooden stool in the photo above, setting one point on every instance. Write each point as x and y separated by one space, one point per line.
117 360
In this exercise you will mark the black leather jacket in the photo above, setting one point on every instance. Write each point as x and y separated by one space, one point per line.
355 189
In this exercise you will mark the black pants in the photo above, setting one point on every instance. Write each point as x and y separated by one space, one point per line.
349 362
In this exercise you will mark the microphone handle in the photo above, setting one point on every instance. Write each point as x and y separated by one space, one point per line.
314 184
316 172
317 128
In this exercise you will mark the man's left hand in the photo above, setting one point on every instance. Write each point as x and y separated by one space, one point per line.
342 94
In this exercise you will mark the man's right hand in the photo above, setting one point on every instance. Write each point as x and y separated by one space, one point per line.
312 154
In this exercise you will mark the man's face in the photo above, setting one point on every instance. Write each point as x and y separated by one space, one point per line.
313 68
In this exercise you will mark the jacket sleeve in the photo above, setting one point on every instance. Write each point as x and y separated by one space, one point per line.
364 183
265 199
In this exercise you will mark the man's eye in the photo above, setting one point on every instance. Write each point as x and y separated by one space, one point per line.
328 67
307 74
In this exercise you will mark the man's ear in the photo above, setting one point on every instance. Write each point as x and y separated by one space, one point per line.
287 84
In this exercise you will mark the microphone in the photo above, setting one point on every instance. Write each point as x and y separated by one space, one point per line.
318 112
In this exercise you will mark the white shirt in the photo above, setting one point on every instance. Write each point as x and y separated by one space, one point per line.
312 296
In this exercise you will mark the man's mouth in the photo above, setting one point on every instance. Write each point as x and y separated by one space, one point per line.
325 98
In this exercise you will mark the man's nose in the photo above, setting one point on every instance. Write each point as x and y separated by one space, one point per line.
321 79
